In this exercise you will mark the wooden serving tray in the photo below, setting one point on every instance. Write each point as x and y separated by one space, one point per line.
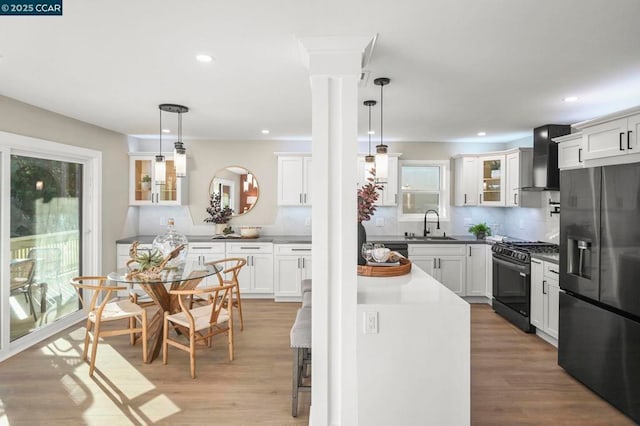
386 271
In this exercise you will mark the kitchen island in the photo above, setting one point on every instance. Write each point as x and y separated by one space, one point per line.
413 349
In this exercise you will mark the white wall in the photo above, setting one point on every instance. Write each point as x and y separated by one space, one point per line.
23 119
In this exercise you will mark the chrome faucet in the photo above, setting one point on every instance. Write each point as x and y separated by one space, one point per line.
427 231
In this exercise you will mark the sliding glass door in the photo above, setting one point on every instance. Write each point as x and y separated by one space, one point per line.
45 241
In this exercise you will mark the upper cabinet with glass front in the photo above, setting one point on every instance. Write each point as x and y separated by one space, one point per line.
492 188
143 189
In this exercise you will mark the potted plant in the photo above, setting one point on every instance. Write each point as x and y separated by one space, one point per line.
145 183
367 196
218 214
480 230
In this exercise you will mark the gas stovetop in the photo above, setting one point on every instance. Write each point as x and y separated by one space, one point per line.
522 250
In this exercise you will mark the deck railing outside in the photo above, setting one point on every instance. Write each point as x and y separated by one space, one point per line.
67 242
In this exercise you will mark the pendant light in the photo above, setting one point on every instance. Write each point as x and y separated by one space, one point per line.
382 158
369 160
179 151
160 165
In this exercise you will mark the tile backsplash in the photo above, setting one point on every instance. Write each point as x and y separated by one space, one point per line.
519 222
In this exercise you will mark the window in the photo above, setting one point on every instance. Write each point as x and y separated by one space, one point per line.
51 220
424 185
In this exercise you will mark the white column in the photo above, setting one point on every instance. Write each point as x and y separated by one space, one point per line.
334 64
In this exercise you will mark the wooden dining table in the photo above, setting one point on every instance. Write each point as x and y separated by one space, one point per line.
186 277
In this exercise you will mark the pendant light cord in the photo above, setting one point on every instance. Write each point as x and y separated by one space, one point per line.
160 131
381 113
369 132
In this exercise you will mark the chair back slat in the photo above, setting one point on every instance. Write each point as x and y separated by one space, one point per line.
231 265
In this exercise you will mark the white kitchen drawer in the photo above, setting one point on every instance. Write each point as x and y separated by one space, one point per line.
436 250
293 249
551 270
248 248
206 248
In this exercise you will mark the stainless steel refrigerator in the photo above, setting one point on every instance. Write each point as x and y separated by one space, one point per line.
599 335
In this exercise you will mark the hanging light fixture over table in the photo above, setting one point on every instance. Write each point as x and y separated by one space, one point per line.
179 153
382 158
369 160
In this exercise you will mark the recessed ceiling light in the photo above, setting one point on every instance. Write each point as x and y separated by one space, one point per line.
265 131
204 58
166 130
482 133
570 99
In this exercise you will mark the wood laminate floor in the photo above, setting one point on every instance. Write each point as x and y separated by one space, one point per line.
515 380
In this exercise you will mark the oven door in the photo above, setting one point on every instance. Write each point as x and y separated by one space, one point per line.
512 284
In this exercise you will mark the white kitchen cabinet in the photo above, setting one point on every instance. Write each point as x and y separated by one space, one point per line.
292 265
569 151
256 277
202 253
445 262
611 136
148 193
294 180
466 180
389 192
545 292
492 184
536 316
476 269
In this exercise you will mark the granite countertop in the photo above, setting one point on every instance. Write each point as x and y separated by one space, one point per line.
399 239
276 239
306 239
547 257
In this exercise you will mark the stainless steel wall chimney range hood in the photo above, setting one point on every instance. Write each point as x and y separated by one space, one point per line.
546 175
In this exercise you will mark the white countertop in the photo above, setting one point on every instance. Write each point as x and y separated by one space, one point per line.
417 287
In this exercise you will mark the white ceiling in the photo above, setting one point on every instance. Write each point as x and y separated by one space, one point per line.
457 67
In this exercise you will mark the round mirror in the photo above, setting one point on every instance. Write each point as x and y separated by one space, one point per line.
238 189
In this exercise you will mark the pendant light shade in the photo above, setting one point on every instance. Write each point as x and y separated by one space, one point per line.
180 159
382 158
160 169
369 160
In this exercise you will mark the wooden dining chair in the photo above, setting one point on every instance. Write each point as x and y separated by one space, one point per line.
202 322
21 280
231 271
101 308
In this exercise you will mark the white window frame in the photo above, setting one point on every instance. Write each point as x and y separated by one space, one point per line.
91 160
444 192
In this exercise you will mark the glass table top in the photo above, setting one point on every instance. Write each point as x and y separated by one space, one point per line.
190 270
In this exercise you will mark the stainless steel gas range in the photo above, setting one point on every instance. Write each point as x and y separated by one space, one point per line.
512 279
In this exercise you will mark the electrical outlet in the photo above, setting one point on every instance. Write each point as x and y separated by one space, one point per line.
370 323
379 221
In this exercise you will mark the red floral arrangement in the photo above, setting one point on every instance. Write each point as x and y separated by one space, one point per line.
367 196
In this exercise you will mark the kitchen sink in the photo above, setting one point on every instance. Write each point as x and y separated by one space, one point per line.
428 238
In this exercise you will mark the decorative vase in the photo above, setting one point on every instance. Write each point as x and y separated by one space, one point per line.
362 238
481 235
220 228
